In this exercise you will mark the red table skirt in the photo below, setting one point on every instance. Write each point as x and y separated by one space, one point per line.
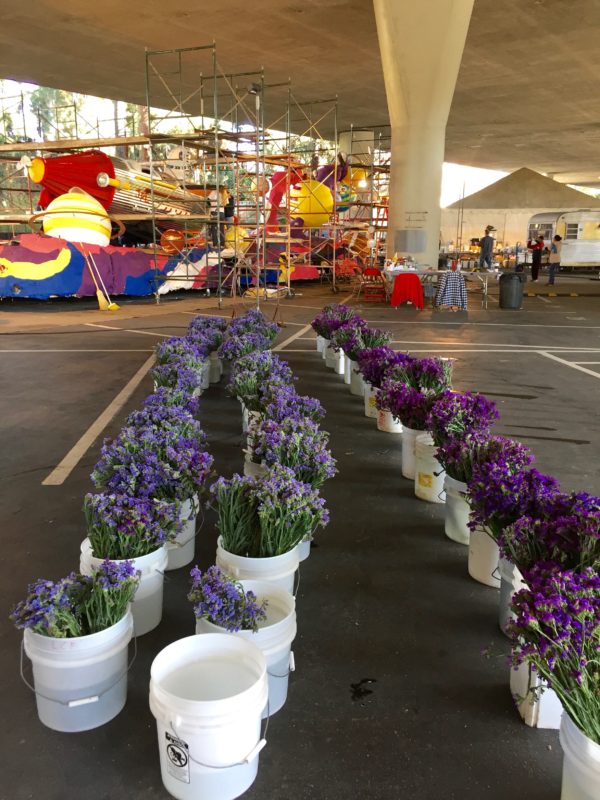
407 288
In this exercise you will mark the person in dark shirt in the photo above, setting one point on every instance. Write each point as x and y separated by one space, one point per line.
486 255
537 248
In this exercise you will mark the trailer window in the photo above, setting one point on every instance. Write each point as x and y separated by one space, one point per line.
572 231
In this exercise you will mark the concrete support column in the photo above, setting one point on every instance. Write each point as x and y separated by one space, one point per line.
421 47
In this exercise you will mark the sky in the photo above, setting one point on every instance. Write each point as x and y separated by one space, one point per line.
97 119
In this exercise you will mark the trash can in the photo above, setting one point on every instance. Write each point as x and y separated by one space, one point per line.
511 291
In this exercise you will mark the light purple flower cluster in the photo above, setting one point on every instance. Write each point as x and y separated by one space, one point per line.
253 321
202 323
557 629
121 527
256 376
163 397
181 349
78 605
374 363
156 414
565 531
455 415
297 443
234 347
223 601
151 462
285 402
330 319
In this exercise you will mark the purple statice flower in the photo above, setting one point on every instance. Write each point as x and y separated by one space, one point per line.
203 323
502 489
405 403
223 601
557 630
458 454
207 339
49 608
285 402
375 362
237 346
253 321
121 527
454 415
163 396
565 530
151 462
374 337
347 336
430 376
179 374
183 349
297 443
156 414
330 319
256 376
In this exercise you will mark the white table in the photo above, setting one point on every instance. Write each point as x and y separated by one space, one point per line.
482 277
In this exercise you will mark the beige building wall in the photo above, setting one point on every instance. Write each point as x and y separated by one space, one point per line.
511 225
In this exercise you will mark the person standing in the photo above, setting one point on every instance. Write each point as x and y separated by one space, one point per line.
486 255
537 248
554 258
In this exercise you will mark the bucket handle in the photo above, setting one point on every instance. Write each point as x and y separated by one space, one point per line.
291 667
80 701
246 760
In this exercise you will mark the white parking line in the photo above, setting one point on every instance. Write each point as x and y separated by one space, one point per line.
571 364
128 330
61 472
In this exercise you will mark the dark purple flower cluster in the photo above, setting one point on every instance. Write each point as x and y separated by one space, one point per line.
120 527
374 363
455 415
297 443
347 336
223 601
330 319
502 489
78 605
557 629
430 376
151 462
407 404
565 531
458 455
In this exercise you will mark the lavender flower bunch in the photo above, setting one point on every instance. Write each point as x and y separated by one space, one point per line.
430 376
255 376
557 630
297 443
163 397
375 362
331 318
285 402
181 349
253 321
202 323
235 347
208 340
150 462
267 517
454 415
223 601
347 336
179 365
78 605
457 455
409 405
157 415
123 527
502 489
565 532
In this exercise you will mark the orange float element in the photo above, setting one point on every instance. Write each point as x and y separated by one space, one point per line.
172 241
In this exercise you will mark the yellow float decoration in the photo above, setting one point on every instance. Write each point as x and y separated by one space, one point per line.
77 217
312 202
357 178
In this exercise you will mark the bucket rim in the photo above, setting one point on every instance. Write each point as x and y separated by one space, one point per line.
289 555
78 644
142 563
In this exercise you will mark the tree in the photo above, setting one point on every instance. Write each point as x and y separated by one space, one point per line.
56 112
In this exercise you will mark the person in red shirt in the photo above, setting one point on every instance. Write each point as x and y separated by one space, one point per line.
537 248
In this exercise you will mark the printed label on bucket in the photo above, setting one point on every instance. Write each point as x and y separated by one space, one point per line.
178 758
372 401
426 480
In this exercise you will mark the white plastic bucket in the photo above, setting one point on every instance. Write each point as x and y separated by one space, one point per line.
511 581
80 683
387 423
409 457
304 548
324 350
457 511
330 356
254 470
207 694
339 363
274 637
279 570
205 375
357 385
348 363
244 418
321 340
147 605
370 401
581 763
429 473
181 550
216 367
484 558
538 708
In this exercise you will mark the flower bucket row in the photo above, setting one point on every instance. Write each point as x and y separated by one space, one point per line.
540 546
154 477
